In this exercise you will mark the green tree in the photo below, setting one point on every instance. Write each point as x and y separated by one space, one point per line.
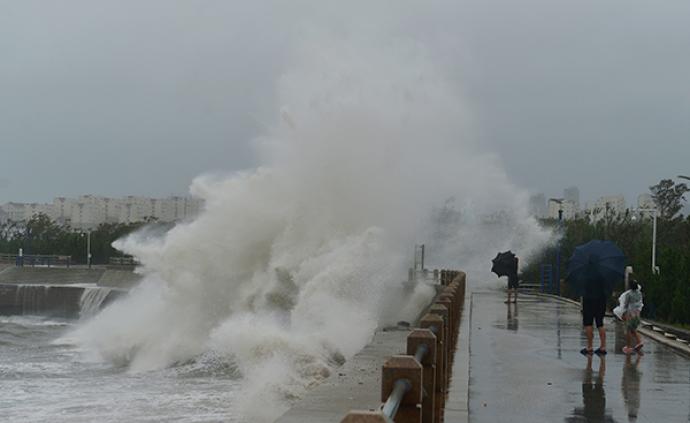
42 235
669 198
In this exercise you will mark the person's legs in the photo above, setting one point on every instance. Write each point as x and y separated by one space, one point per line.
599 318
627 349
508 300
515 295
587 321
638 341
602 338
589 333
633 325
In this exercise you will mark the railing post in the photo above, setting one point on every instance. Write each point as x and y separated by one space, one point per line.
448 302
404 367
414 386
442 311
415 339
438 321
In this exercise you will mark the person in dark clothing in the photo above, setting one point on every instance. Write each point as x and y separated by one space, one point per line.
593 309
513 281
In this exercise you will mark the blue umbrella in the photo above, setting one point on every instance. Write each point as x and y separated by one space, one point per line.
595 267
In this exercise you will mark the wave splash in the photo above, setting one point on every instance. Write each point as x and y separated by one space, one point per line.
291 266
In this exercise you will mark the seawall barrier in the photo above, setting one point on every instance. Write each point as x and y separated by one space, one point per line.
61 292
403 375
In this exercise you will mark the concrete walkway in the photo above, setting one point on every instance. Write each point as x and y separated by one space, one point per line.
525 366
355 386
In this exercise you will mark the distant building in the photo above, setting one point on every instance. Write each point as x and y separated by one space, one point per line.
62 210
608 206
559 204
137 209
537 205
89 211
32 209
645 202
572 195
15 212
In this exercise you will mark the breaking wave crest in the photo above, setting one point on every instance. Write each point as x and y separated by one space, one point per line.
291 266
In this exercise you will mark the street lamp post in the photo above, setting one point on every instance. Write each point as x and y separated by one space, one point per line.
88 248
654 215
558 250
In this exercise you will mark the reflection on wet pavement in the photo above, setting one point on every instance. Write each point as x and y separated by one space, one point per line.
512 318
525 366
593 396
630 385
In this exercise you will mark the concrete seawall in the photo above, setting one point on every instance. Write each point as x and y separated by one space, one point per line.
50 275
46 300
113 278
60 292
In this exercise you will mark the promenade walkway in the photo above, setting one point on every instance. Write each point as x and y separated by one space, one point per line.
525 366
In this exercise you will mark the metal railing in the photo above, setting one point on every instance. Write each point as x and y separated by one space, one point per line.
36 260
123 261
414 386
390 408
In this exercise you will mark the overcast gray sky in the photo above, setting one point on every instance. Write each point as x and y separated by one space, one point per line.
138 97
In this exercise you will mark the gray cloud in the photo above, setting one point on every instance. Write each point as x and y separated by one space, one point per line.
138 98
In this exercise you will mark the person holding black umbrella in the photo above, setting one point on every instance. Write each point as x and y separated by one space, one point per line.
593 270
593 310
506 264
513 280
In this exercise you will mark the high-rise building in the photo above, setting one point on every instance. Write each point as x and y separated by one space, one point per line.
62 209
572 195
559 204
15 212
608 206
89 211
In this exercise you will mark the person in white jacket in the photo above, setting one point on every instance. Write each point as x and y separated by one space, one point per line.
629 310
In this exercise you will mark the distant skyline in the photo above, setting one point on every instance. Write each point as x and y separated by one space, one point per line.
124 98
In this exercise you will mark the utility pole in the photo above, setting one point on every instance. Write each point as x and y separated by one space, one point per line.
88 247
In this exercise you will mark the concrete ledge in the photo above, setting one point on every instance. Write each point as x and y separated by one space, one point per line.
660 338
50 275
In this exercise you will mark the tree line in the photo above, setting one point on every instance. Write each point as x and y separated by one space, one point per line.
666 292
40 235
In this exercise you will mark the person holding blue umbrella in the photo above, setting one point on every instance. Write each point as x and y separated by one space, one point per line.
594 269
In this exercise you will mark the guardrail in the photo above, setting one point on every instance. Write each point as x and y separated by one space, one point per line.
36 260
414 386
123 261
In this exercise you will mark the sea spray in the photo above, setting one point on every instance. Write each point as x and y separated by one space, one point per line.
91 300
290 267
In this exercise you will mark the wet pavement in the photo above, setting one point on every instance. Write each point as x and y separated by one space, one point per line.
525 366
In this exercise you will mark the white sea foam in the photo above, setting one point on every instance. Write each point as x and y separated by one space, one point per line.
289 266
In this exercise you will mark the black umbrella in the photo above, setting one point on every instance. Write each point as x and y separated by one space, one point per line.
503 264
595 267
